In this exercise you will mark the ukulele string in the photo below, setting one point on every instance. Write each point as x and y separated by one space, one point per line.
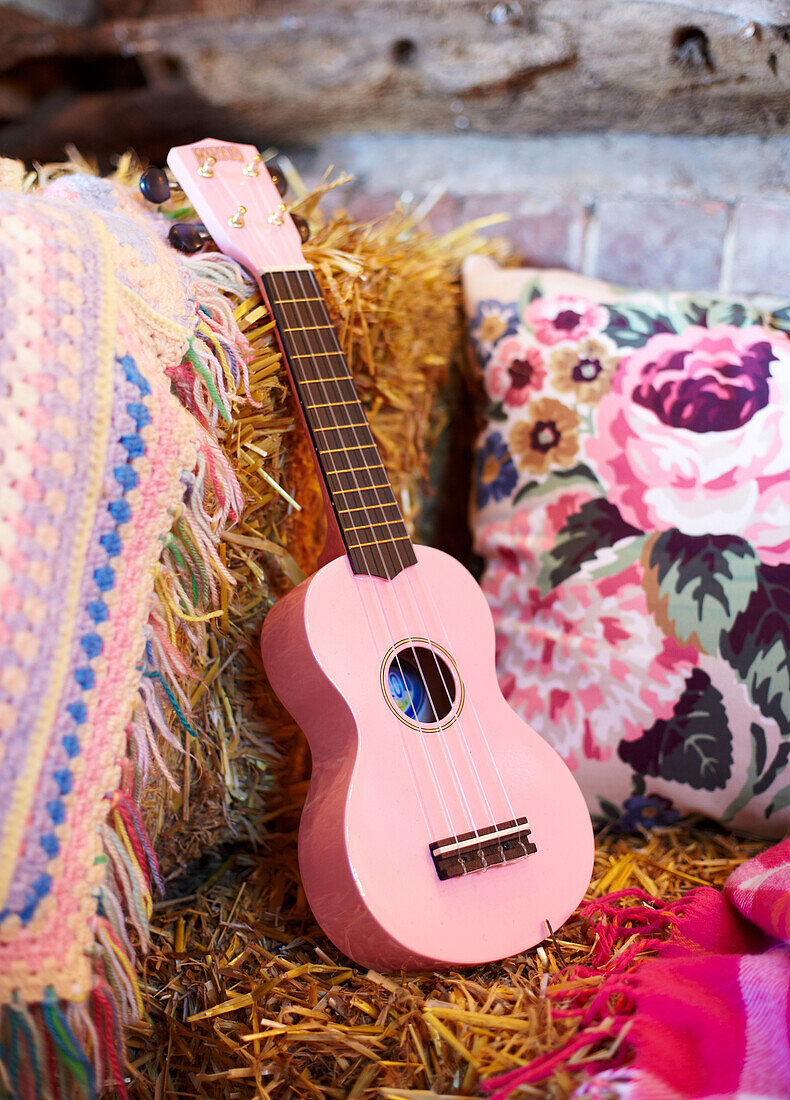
404 568
418 606
231 194
426 754
485 741
344 450
334 467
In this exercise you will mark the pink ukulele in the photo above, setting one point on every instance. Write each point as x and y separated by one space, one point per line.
439 829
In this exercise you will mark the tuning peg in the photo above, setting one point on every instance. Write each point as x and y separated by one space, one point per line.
302 226
154 185
188 237
278 178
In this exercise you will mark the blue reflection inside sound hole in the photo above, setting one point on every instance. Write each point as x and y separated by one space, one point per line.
408 692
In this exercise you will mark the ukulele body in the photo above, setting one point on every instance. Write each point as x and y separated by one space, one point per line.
386 786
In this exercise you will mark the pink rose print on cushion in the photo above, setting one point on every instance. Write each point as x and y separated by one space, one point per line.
695 435
586 664
512 543
564 317
515 371
518 539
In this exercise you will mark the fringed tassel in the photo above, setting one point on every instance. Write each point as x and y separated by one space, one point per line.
110 1037
24 1054
213 464
215 365
614 1028
68 1050
119 972
129 826
220 273
42 1056
82 1024
216 283
145 751
624 934
110 908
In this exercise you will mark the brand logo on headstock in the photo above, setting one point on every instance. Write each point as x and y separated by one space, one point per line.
218 152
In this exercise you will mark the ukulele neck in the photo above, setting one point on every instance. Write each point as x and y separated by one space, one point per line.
368 517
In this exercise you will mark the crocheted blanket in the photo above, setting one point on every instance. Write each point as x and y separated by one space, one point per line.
97 457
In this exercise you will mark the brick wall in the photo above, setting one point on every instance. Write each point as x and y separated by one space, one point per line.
706 214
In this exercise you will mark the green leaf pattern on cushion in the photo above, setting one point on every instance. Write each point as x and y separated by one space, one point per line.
702 584
694 746
596 525
758 645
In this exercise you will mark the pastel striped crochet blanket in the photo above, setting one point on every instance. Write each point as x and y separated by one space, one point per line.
97 457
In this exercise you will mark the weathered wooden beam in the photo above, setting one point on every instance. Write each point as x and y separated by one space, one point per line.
292 72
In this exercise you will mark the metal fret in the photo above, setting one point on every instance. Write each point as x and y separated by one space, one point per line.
330 378
361 488
366 508
302 344
289 301
319 354
305 328
328 404
368 526
353 469
340 427
353 447
381 542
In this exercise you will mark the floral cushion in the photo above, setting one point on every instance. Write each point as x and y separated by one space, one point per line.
632 504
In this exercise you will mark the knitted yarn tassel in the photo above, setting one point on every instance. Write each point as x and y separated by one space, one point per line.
604 1008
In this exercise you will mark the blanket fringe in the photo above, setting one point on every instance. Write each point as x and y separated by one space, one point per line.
629 926
64 1051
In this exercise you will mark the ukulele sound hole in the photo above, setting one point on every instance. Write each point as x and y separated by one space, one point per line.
420 685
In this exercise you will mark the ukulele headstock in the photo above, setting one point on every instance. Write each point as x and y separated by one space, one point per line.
239 204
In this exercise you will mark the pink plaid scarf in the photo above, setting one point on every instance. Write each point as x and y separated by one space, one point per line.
709 1017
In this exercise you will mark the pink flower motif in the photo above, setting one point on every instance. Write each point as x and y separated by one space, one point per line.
586 665
694 435
512 543
564 317
515 371
516 541
559 510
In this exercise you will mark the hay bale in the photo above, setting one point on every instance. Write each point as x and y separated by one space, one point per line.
245 996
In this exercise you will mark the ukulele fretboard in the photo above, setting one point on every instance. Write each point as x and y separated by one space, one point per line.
367 513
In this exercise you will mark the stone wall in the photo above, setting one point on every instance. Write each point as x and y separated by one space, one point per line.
710 214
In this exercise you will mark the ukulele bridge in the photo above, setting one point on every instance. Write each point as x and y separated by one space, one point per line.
492 846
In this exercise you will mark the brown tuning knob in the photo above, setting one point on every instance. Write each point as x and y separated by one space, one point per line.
302 226
154 185
187 237
278 179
